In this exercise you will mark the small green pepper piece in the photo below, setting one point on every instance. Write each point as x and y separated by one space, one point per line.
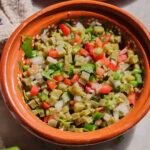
97 115
116 76
89 30
13 148
136 70
138 78
133 83
25 67
43 96
89 127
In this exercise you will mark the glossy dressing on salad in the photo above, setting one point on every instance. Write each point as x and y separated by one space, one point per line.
79 75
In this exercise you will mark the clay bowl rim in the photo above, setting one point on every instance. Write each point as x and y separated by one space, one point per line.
69 140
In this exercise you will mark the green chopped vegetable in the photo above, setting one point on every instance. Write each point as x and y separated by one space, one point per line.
89 127
133 83
12 148
27 47
117 75
43 96
76 49
89 30
139 78
25 67
92 78
97 116
56 67
47 74
90 68
136 70
41 113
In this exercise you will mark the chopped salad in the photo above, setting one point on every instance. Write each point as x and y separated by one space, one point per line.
79 75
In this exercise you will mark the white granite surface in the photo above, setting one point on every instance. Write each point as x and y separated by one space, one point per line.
137 139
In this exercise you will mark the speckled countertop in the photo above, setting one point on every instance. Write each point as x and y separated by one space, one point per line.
12 133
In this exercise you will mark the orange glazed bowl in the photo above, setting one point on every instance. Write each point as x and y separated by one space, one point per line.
12 54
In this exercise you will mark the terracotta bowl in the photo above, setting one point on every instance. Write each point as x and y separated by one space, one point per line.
12 55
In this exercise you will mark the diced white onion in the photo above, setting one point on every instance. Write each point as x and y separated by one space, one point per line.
88 58
32 77
116 115
113 62
79 25
37 60
60 47
78 98
123 107
43 35
107 117
89 96
96 86
123 66
117 83
38 76
96 22
59 105
51 60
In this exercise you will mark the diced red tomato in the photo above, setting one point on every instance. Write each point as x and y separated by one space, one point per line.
88 89
34 90
51 84
97 56
109 64
45 105
77 39
105 89
84 52
106 38
47 118
27 61
67 82
98 42
89 46
122 58
65 29
58 78
105 61
132 98
75 78
53 53
100 72
113 67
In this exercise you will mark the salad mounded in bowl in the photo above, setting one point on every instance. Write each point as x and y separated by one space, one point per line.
79 75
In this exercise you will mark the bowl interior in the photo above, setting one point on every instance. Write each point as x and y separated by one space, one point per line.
12 58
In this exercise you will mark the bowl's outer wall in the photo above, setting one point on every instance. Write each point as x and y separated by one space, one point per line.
9 70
